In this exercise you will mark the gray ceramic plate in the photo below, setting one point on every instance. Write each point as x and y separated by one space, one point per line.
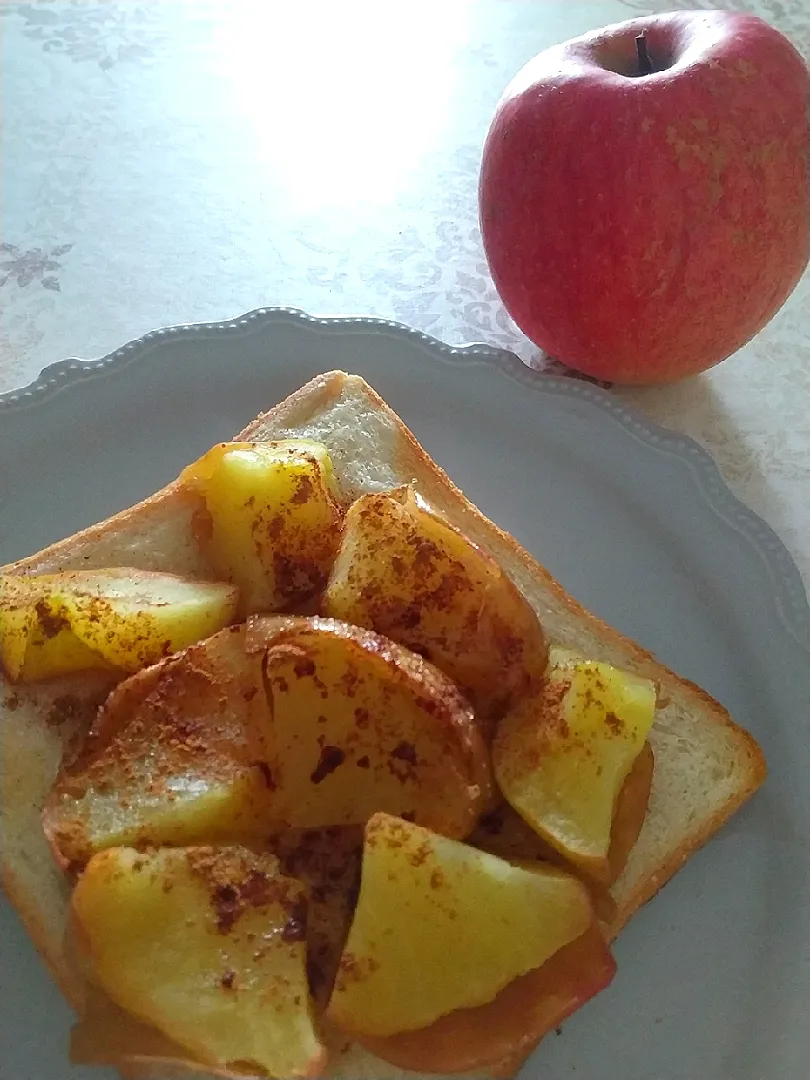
714 975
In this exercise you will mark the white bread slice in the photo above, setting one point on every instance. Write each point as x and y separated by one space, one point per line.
705 766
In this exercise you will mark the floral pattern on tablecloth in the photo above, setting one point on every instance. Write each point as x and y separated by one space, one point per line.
162 163
93 31
37 265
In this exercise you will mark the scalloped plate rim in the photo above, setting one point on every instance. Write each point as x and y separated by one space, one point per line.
792 601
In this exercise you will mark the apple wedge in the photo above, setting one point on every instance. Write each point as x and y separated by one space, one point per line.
293 722
503 832
498 1036
360 725
441 926
176 756
36 641
271 522
116 619
407 573
107 1035
562 756
208 945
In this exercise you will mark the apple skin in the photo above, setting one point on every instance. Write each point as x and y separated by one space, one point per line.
643 228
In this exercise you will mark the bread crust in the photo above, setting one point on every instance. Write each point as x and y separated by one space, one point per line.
173 507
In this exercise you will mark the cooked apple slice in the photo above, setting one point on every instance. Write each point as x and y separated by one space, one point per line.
132 618
176 756
271 522
301 722
109 1036
121 618
360 725
208 945
509 1027
562 757
406 573
36 641
441 926
503 831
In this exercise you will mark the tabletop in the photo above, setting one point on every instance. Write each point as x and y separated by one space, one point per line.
175 161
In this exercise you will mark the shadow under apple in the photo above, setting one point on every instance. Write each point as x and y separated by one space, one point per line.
695 407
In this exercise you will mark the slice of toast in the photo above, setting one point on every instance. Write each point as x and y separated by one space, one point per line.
705 765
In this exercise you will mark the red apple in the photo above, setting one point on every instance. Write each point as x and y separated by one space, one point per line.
641 225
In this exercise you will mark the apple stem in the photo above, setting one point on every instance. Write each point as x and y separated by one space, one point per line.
644 63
